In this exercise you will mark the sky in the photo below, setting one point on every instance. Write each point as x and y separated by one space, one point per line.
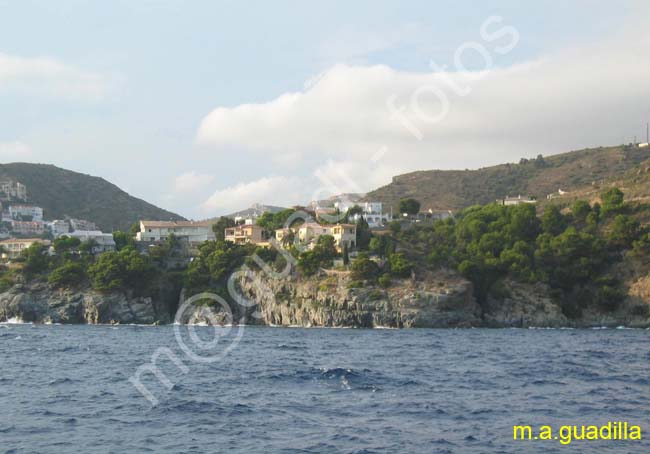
205 107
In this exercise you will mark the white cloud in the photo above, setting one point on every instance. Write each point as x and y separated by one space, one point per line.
277 190
577 98
14 150
191 182
46 76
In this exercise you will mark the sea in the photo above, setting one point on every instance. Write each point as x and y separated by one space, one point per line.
199 389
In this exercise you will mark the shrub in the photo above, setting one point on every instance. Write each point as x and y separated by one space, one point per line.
364 269
355 284
400 266
384 280
70 273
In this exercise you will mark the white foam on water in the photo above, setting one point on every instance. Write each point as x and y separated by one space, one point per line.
16 321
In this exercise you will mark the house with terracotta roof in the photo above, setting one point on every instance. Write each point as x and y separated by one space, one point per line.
246 233
13 247
309 232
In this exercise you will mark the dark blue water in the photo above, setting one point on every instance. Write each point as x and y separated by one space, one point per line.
66 389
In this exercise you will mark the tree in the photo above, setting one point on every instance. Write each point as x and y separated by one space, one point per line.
221 225
123 240
400 266
395 227
580 210
36 259
273 221
524 224
346 255
124 269
409 206
70 273
381 245
321 256
135 228
624 231
288 238
364 269
107 273
612 201
353 211
363 234
65 243
553 221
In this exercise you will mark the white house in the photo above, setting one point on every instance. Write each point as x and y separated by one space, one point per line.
194 232
104 241
12 190
58 227
27 227
81 224
26 212
508 201
372 212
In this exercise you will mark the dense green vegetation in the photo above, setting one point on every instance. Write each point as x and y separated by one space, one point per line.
571 252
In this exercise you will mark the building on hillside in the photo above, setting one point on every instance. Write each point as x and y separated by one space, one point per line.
13 247
194 233
81 224
438 214
11 190
25 212
246 233
58 227
27 227
281 234
103 242
344 235
644 145
372 212
310 231
307 234
509 201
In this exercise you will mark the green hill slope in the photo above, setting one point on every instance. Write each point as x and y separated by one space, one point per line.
456 189
63 192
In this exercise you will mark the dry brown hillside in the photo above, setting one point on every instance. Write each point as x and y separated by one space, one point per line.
456 189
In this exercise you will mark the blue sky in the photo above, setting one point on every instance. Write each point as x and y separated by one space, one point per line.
203 107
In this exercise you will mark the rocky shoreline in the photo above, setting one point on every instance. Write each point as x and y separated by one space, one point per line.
440 301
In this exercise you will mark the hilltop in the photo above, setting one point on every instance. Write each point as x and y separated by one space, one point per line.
457 189
62 192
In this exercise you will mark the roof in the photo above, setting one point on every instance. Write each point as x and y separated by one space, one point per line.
313 225
23 240
167 224
88 233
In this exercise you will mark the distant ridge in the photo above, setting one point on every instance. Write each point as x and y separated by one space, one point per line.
255 210
62 192
457 189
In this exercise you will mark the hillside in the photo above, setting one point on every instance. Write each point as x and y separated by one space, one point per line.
456 189
63 193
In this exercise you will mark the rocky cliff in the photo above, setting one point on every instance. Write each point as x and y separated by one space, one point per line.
40 303
439 300
327 301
